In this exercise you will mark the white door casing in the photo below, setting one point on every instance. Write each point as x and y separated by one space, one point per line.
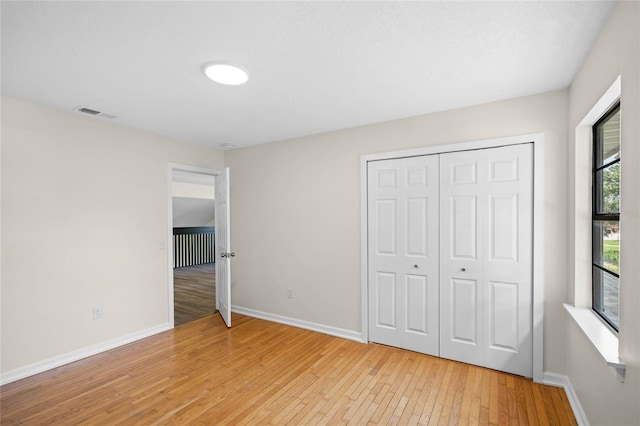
221 224
223 247
403 249
486 257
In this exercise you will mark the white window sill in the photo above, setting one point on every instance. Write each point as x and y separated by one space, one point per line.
603 339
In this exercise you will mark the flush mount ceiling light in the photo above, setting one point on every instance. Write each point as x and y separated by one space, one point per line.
229 75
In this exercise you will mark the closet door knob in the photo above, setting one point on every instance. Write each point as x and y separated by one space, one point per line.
463 270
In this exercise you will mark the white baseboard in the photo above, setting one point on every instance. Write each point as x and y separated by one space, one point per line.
307 325
559 380
57 361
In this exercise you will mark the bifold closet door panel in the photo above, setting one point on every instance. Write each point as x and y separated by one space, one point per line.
403 253
486 257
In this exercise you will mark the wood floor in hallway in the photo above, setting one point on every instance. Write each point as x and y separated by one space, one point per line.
260 372
194 292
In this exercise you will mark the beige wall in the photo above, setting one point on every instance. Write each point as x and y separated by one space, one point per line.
84 212
615 53
295 208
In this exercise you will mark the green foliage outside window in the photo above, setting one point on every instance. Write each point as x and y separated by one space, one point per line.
611 255
611 188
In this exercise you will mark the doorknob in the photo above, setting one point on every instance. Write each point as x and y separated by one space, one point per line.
415 266
464 269
232 254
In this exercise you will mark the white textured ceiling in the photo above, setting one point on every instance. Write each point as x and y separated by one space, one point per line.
314 66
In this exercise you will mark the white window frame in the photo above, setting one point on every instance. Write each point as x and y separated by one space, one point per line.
601 336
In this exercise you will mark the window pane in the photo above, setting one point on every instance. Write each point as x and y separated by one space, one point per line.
606 244
606 295
608 140
608 189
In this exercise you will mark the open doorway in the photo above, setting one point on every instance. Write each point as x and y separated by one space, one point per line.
193 223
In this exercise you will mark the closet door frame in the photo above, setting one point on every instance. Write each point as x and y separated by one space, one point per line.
538 225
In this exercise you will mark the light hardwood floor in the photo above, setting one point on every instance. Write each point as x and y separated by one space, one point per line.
260 372
194 292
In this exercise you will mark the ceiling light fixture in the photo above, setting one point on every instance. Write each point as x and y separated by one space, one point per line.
229 75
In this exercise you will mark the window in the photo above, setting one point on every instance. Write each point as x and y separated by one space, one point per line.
606 216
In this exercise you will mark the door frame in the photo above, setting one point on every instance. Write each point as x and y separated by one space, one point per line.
538 224
171 167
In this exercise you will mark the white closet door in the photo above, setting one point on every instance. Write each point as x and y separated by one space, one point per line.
403 253
486 257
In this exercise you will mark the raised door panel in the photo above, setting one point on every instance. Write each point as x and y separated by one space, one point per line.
503 227
387 235
464 318
416 304
386 291
463 229
417 229
386 178
505 169
463 172
418 176
504 316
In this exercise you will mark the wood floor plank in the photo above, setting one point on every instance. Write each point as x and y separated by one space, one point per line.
530 405
456 407
474 409
562 407
436 387
441 394
541 405
260 373
429 376
415 389
503 406
468 405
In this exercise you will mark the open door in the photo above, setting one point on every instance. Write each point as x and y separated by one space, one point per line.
223 247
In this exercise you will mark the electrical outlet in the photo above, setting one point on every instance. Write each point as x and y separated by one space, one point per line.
97 312
290 293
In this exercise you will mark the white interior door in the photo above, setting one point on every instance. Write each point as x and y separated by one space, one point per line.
223 247
486 257
403 253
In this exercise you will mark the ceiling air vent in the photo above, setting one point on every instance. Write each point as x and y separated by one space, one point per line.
89 111
96 113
